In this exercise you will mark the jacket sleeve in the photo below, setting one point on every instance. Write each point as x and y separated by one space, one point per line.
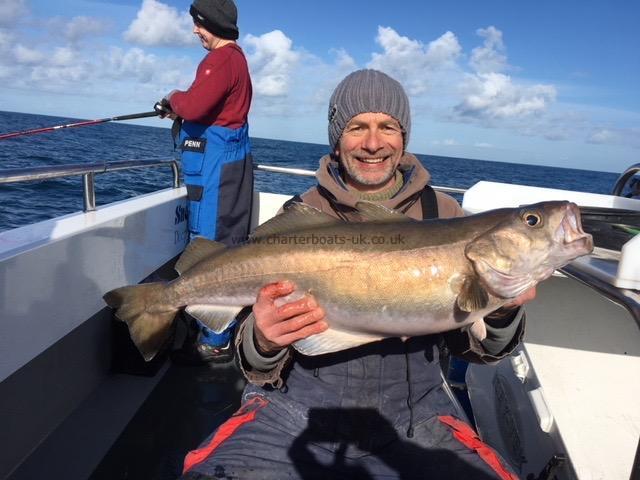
207 92
257 368
448 207
503 336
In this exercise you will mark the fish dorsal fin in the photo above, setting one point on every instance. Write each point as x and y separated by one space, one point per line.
374 212
298 216
216 317
332 341
198 249
472 296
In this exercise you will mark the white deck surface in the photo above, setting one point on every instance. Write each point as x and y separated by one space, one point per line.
586 354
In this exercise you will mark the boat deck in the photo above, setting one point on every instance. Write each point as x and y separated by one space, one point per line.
182 410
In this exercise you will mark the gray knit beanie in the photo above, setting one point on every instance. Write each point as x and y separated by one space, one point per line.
219 17
367 91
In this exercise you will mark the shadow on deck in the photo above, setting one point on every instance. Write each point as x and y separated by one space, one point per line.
183 409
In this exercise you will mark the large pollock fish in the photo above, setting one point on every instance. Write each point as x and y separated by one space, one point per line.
385 276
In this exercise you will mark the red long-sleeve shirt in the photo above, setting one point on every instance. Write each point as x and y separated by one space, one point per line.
221 92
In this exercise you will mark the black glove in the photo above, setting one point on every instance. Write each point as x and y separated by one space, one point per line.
163 107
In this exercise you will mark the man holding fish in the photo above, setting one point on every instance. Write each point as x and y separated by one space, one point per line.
376 410
342 349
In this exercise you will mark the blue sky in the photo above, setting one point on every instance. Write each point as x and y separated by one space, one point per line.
545 82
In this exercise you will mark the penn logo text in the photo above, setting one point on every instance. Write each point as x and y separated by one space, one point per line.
194 145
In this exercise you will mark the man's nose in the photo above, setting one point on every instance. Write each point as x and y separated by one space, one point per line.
372 141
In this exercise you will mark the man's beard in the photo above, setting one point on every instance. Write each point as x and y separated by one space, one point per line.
352 170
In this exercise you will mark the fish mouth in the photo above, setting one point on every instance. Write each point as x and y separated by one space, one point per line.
570 233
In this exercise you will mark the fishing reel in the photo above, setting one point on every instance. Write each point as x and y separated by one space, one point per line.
163 108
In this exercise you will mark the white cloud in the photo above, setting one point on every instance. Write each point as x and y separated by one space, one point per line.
25 55
153 74
6 72
483 145
601 136
82 26
272 59
489 57
615 136
64 57
447 142
158 24
49 68
131 64
412 62
60 77
490 96
11 10
344 61
496 96
6 40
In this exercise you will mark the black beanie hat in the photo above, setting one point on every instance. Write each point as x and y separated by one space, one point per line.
219 17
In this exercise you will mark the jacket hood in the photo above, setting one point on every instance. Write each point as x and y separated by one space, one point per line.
415 177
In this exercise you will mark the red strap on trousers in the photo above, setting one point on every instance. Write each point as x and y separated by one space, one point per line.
469 438
246 413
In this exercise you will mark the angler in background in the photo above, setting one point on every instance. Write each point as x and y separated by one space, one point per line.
374 411
216 152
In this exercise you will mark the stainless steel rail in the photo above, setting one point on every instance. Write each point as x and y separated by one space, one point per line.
310 173
300 172
88 172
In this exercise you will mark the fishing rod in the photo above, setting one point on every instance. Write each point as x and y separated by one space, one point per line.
4 136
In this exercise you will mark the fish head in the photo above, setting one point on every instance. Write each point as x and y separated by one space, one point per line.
526 245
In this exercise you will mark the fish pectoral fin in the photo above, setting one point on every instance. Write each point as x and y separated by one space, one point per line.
215 317
370 212
478 329
296 217
198 249
332 341
472 296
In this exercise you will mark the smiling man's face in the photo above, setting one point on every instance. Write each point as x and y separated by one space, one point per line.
370 149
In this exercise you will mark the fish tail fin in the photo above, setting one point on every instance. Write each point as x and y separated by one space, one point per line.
145 311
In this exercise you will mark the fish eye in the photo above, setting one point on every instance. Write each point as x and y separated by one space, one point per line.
532 219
